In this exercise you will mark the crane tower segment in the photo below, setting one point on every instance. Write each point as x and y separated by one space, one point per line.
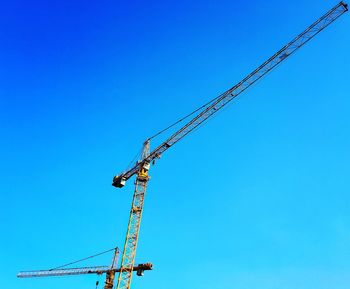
129 252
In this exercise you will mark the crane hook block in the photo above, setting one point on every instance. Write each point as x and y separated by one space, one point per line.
118 181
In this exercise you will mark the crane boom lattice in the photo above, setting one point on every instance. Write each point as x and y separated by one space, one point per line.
241 86
79 271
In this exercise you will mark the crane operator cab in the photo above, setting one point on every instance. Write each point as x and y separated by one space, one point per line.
143 173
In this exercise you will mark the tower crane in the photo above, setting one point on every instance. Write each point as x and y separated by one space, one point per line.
148 157
142 167
109 270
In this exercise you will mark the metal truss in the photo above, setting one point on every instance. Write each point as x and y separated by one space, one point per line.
129 252
78 271
223 99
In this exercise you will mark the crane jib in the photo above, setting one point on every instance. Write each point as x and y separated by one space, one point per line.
79 271
233 92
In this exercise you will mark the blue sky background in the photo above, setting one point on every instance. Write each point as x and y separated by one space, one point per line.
258 198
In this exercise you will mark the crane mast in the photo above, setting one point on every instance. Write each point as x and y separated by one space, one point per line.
132 235
142 166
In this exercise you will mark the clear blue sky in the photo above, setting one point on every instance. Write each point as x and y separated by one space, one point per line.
256 199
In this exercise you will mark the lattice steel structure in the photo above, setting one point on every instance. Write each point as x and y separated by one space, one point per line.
79 271
241 86
132 234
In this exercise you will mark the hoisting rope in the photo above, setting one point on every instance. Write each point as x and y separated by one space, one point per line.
183 118
92 256
137 156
